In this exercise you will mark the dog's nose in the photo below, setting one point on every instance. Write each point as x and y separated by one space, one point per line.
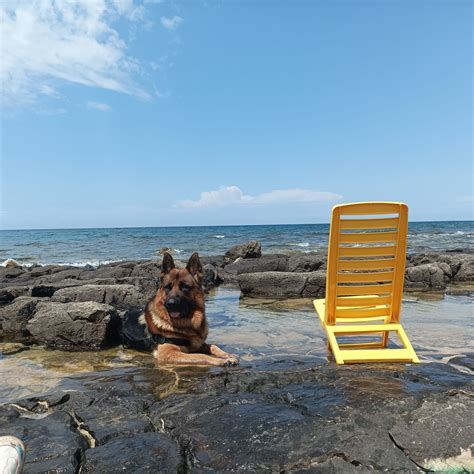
170 302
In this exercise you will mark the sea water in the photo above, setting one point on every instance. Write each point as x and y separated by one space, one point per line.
95 246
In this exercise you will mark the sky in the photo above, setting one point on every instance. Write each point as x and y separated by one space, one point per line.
123 113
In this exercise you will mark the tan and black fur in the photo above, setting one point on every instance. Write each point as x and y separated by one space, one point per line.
177 311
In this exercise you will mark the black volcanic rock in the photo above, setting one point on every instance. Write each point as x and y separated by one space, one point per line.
250 249
293 418
75 326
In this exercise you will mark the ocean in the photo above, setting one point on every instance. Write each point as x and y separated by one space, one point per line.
96 246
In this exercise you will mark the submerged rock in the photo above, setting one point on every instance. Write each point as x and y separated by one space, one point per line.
11 348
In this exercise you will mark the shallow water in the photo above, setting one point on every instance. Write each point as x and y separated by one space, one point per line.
267 334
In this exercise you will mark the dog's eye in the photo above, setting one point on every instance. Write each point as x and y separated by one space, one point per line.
185 287
167 288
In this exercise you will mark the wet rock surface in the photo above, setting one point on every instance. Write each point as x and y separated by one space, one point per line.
292 416
144 452
53 444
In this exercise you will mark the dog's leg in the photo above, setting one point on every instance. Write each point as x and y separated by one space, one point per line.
171 354
216 351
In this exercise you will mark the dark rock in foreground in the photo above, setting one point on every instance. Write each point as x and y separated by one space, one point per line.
52 443
301 417
145 452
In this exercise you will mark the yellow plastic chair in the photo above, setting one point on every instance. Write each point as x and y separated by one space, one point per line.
364 286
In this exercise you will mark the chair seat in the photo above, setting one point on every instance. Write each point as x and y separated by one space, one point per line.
346 353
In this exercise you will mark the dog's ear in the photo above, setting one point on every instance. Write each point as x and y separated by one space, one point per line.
194 267
168 263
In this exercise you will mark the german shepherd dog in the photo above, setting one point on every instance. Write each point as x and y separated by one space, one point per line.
176 318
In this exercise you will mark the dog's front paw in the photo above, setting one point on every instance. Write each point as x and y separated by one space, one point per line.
231 361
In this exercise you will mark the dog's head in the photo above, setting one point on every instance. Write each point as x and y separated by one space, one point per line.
181 287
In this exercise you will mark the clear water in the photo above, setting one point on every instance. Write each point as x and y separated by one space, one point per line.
267 335
94 246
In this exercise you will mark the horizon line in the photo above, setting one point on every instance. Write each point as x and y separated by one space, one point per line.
212 225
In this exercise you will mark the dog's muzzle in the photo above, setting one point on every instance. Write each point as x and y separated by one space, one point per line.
177 308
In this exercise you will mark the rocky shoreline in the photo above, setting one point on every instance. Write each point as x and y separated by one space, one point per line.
292 415
298 417
81 308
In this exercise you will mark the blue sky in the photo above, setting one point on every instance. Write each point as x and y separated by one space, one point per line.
148 113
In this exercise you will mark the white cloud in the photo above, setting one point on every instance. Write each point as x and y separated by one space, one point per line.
47 42
233 195
98 106
171 23
46 89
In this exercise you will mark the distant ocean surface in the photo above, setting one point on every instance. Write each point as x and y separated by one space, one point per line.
96 246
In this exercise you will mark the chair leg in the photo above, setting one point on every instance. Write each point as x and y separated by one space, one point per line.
385 339
406 343
334 347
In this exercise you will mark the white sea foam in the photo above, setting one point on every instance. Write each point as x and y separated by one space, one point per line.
92 263
80 263
10 262
299 244
219 236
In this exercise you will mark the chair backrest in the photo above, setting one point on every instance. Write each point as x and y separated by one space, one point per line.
366 259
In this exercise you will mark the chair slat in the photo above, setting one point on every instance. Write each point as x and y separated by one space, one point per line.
364 277
385 251
372 209
362 313
379 264
368 237
364 301
385 223
363 328
364 289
